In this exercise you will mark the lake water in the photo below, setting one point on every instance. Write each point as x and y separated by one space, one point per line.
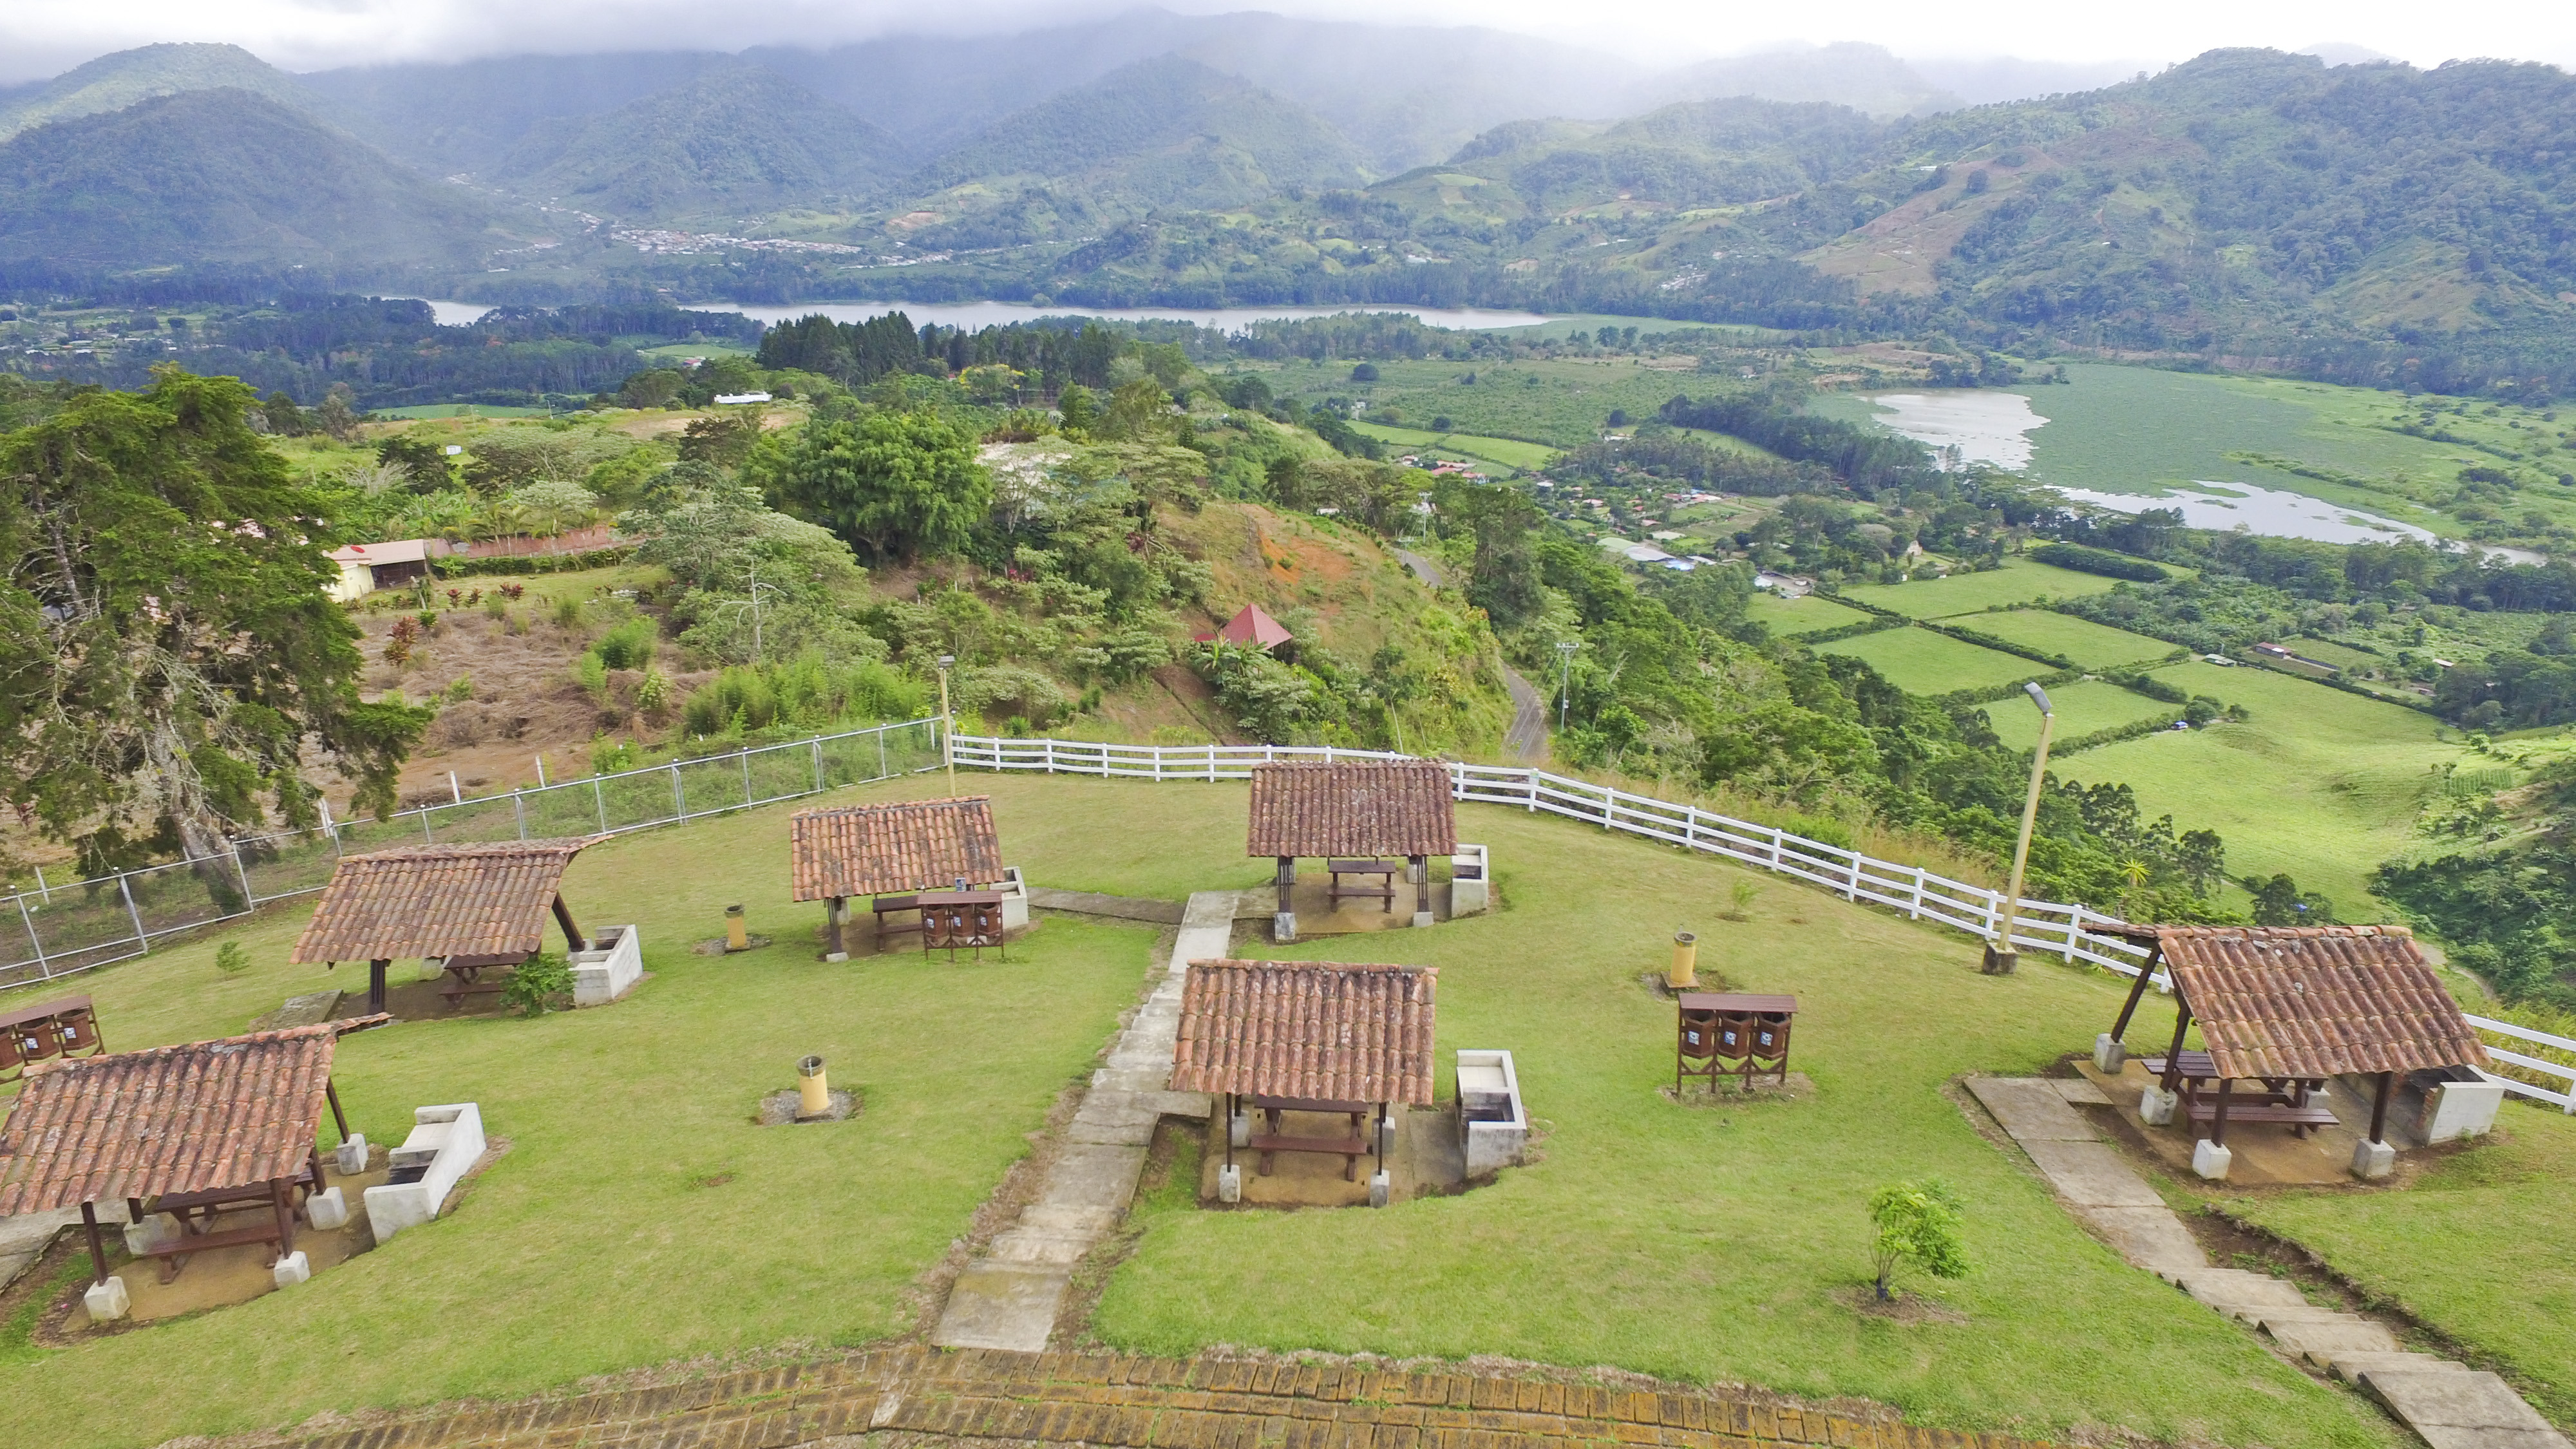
2278 513
1984 425
995 314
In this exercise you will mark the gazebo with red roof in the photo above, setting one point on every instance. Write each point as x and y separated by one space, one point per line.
471 907
1252 628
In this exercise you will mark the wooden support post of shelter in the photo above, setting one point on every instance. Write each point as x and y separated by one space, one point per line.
132 1127
472 908
1353 810
892 854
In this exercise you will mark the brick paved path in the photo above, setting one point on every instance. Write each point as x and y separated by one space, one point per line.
1138 1403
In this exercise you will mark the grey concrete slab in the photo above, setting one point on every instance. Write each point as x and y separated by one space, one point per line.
1052 1249
2444 1436
1133 1079
2237 1286
1193 1105
1091 903
2030 1109
2079 1092
2319 1341
2453 1399
2090 1174
1092 1175
1002 1305
1110 1134
2284 1313
2351 1366
2150 1237
1064 1218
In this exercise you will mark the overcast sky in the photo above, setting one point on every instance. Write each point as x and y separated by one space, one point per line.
42 37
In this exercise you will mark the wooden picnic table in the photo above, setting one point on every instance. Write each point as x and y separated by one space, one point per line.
2285 1100
62 1027
961 918
196 1212
884 906
1383 891
464 975
1350 1149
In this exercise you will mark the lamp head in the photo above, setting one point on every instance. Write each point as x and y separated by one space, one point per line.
2038 696
948 659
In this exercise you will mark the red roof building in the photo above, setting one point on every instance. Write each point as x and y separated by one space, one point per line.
1252 627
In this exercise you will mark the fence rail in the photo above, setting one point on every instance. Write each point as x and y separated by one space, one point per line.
2051 927
72 928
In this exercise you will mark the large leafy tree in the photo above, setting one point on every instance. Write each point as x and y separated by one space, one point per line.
168 659
900 483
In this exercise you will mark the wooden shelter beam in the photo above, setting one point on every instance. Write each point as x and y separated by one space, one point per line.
2137 992
573 939
376 970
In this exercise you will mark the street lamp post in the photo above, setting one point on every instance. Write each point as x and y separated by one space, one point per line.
947 724
2000 955
1564 679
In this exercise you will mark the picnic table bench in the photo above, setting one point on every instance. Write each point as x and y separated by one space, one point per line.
1350 1149
2285 1100
884 906
60 1028
1382 891
195 1212
465 975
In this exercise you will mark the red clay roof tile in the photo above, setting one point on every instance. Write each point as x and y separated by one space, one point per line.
1353 809
1307 1029
2316 1001
866 850
439 900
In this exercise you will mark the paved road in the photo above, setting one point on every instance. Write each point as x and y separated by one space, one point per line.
1526 741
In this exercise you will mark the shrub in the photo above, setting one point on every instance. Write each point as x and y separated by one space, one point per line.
568 612
653 694
629 645
805 693
2099 561
231 959
538 986
1918 1223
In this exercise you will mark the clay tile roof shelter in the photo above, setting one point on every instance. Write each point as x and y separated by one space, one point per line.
482 904
912 845
185 1129
2280 1003
1358 809
1308 1037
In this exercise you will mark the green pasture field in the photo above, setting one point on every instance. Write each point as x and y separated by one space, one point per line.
1505 452
1555 405
639 1217
2087 643
1799 616
2019 581
1729 1243
2082 708
2463 1249
2326 651
2319 783
459 410
1919 661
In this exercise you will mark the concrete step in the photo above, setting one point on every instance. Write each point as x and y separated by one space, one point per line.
2215 1286
1002 1305
2351 1366
2031 1109
1051 1218
2317 1342
1057 1249
2455 1409
2283 1313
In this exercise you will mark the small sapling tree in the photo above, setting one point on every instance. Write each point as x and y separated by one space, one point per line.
1918 1223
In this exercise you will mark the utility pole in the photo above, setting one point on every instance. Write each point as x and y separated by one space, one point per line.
1564 680
947 725
2000 955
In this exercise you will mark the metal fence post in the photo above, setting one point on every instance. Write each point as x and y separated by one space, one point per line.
248 899
883 769
519 808
745 756
599 798
818 764
679 797
140 938
35 942
425 833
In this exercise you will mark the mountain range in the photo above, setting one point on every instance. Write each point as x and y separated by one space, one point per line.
2245 203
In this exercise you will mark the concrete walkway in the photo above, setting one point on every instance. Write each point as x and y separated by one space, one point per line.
1009 1297
2449 1404
24 1239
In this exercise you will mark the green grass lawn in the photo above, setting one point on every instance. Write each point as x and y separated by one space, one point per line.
2319 783
2478 1247
639 1217
2019 581
460 410
1799 616
1710 1244
2082 708
1506 452
1919 661
2094 646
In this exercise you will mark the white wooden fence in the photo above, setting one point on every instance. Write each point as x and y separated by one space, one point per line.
2047 927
